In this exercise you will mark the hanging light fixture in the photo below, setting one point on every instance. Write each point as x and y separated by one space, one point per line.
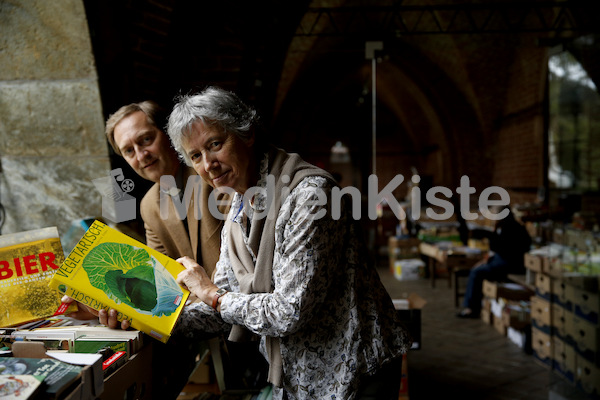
339 153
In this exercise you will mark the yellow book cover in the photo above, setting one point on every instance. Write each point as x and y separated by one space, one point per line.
27 262
108 269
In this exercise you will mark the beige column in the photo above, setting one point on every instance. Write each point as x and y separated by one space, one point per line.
52 141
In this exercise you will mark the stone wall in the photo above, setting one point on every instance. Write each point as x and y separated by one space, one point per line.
52 141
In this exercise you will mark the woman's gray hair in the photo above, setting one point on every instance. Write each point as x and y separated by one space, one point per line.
215 107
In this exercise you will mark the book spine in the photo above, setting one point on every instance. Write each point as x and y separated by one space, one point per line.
114 362
61 285
157 334
73 261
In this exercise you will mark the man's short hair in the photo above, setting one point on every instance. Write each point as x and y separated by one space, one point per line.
155 114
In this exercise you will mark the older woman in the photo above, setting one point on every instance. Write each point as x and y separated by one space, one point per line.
288 272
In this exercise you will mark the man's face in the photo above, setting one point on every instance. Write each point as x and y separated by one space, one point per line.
222 159
145 147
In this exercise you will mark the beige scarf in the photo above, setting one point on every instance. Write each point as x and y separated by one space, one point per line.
257 278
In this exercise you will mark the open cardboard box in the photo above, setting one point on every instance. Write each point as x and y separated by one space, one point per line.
131 381
409 311
506 290
92 376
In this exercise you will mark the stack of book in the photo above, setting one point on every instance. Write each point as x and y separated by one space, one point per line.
105 270
25 377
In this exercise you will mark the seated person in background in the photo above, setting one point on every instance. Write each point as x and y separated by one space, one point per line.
508 244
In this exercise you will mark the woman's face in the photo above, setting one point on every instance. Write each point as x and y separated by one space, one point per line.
222 159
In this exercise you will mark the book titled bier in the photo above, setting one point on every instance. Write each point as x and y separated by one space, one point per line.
27 262
108 269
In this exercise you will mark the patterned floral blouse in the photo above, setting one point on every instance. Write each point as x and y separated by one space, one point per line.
333 316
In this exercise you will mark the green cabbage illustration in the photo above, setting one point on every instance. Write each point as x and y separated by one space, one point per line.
130 275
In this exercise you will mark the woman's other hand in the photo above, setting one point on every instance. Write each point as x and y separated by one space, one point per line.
195 279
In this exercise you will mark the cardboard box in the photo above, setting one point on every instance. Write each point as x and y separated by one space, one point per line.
541 344
487 317
533 262
432 251
586 337
409 269
552 266
499 325
589 283
93 373
541 311
564 359
543 286
547 261
516 316
505 290
561 319
403 248
133 380
587 377
489 289
201 375
399 249
409 311
92 377
586 304
486 311
559 293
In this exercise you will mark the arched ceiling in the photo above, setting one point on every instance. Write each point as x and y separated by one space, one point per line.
303 65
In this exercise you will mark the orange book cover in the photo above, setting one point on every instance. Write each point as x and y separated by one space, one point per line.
108 269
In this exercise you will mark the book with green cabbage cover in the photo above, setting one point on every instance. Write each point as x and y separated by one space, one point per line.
108 269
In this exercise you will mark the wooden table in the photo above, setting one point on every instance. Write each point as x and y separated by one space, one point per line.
449 258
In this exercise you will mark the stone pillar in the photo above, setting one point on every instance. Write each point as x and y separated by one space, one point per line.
52 142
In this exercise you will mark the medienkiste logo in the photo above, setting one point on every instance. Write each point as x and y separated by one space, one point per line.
333 201
118 206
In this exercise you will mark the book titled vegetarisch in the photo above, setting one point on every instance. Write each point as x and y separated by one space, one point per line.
108 269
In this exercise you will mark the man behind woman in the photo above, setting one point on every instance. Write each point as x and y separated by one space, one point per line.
298 281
